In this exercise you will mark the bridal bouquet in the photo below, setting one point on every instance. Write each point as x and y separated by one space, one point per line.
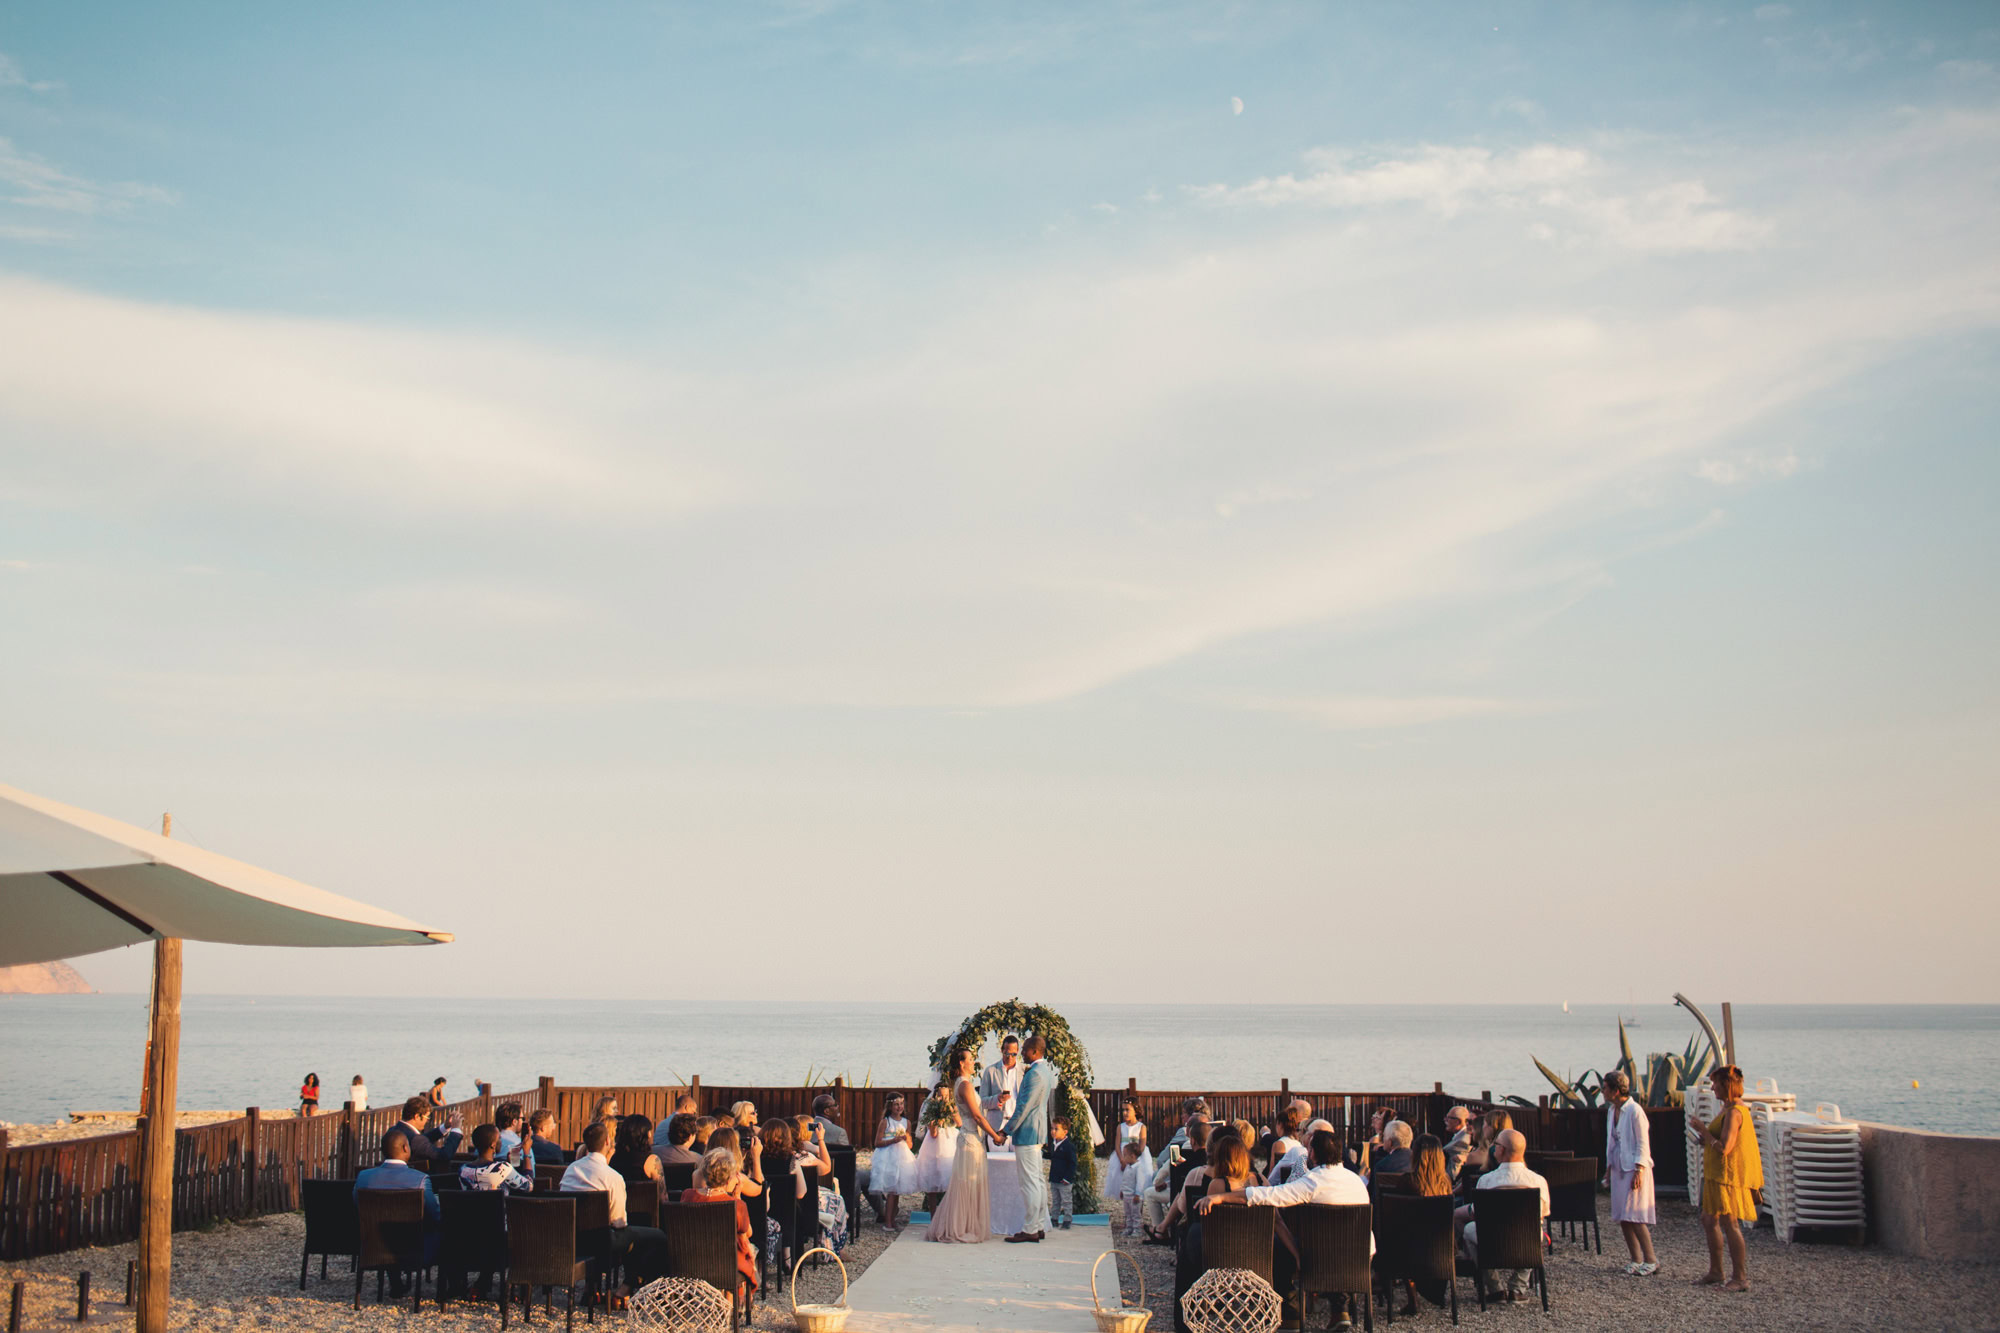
936 1114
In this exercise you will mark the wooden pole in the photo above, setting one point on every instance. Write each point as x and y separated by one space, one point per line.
1729 1037
156 1133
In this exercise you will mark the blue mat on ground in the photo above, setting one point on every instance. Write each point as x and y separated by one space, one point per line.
1081 1219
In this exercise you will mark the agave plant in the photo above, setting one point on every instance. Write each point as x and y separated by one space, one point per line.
1662 1080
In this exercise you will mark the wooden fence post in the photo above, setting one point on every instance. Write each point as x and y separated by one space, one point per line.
1284 1088
547 1087
694 1091
253 1158
344 1153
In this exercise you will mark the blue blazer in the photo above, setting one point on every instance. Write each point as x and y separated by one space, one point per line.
399 1178
1029 1125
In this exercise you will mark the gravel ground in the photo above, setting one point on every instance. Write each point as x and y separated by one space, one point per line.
1792 1287
245 1275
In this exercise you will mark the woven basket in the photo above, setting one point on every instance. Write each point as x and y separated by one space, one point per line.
1124 1318
819 1318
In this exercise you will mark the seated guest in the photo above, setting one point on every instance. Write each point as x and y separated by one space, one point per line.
541 1143
749 1166
1296 1162
488 1170
1158 1203
605 1113
809 1153
1480 1158
643 1250
1192 1109
1327 1181
1395 1154
704 1126
743 1114
716 1182
1511 1148
507 1119
1286 1142
825 1107
1229 1169
1378 1123
632 1150
1457 1124
426 1145
396 1173
1430 1173
686 1105
671 1141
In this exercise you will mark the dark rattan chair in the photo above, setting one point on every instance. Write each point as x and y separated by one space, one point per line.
548 1179
1238 1236
1509 1236
759 1207
805 1222
847 1179
783 1208
701 1244
1389 1182
1413 1243
642 1202
391 1233
1573 1197
1333 1241
1538 1157
675 1177
541 1252
333 1224
473 1237
593 1234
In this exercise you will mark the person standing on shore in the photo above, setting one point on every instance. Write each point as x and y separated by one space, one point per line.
1628 1167
1732 1175
357 1092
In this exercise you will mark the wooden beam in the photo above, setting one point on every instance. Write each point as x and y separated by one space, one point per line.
1729 1037
156 1140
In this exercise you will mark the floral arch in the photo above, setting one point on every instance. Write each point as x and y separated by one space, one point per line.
1072 1065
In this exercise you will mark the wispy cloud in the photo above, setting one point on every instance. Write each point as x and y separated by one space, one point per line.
34 183
12 76
1374 712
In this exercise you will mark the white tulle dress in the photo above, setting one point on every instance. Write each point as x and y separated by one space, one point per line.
1134 1179
934 1158
893 1170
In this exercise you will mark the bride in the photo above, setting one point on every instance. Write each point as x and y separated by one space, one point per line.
965 1215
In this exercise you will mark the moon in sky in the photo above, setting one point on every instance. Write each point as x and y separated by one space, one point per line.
1235 106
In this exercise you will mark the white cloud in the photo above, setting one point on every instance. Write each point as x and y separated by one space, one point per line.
1727 472
34 183
1367 712
11 76
1566 192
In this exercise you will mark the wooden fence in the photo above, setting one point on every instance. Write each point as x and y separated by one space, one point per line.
78 1192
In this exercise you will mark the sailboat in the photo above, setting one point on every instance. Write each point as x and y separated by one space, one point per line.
1629 1020
1565 1006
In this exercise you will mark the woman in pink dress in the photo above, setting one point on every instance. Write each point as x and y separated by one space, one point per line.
965 1217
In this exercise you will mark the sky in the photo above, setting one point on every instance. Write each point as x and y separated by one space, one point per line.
1176 502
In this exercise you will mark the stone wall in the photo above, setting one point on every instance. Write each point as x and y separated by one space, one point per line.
1934 1196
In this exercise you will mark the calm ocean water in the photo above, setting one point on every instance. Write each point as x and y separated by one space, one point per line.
60 1053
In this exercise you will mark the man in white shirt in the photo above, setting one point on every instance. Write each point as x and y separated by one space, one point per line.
1001 1083
1512 1173
643 1249
1328 1181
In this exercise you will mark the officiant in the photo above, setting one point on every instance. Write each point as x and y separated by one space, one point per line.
1000 1083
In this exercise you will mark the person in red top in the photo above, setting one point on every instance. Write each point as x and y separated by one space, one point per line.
309 1095
718 1185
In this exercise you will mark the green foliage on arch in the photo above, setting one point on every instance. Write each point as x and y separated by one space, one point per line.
1065 1052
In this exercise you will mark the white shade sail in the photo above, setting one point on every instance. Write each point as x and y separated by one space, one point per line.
73 882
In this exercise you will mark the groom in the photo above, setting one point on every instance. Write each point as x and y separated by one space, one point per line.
1028 1127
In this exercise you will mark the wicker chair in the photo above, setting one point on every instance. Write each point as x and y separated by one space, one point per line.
759 1208
1509 1236
701 1243
593 1236
1333 1241
541 1252
1573 1197
1413 1243
1538 1158
391 1232
783 1207
1237 1236
675 1177
805 1221
642 1202
548 1179
846 1179
473 1237
333 1224
1388 1182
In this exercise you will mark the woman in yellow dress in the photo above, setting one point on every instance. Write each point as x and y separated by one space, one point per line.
1731 1170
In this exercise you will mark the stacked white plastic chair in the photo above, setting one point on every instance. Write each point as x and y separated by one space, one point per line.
1813 1177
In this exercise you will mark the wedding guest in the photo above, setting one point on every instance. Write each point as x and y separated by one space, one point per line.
704 1127
357 1092
1511 1148
825 1107
686 1105
396 1173
1327 1180
507 1119
673 1142
1125 1171
543 1150
1297 1160
939 1148
1430 1169
1458 1124
1628 1169
605 1113
641 1249
1732 1173
1383 1117
1229 1169
716 1183
1001 1082
436 1094
309 1095
809 1153
749 1166
1128 1174
1192 1109
892 1172
426 1144
488 1170
1062 1174
1159 1201
1481 1157
1291 1119
743 1114
632 1153
1395 1155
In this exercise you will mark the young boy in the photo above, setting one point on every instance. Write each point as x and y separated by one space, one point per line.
1130 1184
1062 1173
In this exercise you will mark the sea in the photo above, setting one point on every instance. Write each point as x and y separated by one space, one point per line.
1928 1066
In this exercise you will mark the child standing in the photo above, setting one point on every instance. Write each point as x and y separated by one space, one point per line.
1062 1173
1130 1182
894 1166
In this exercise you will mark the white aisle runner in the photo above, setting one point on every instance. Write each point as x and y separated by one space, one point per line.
918 1286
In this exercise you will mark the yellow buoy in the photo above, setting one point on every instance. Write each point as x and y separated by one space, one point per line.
1913 1083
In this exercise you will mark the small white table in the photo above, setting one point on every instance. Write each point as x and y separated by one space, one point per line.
1003 1187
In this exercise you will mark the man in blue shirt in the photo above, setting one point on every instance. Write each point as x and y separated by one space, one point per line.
396 1173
